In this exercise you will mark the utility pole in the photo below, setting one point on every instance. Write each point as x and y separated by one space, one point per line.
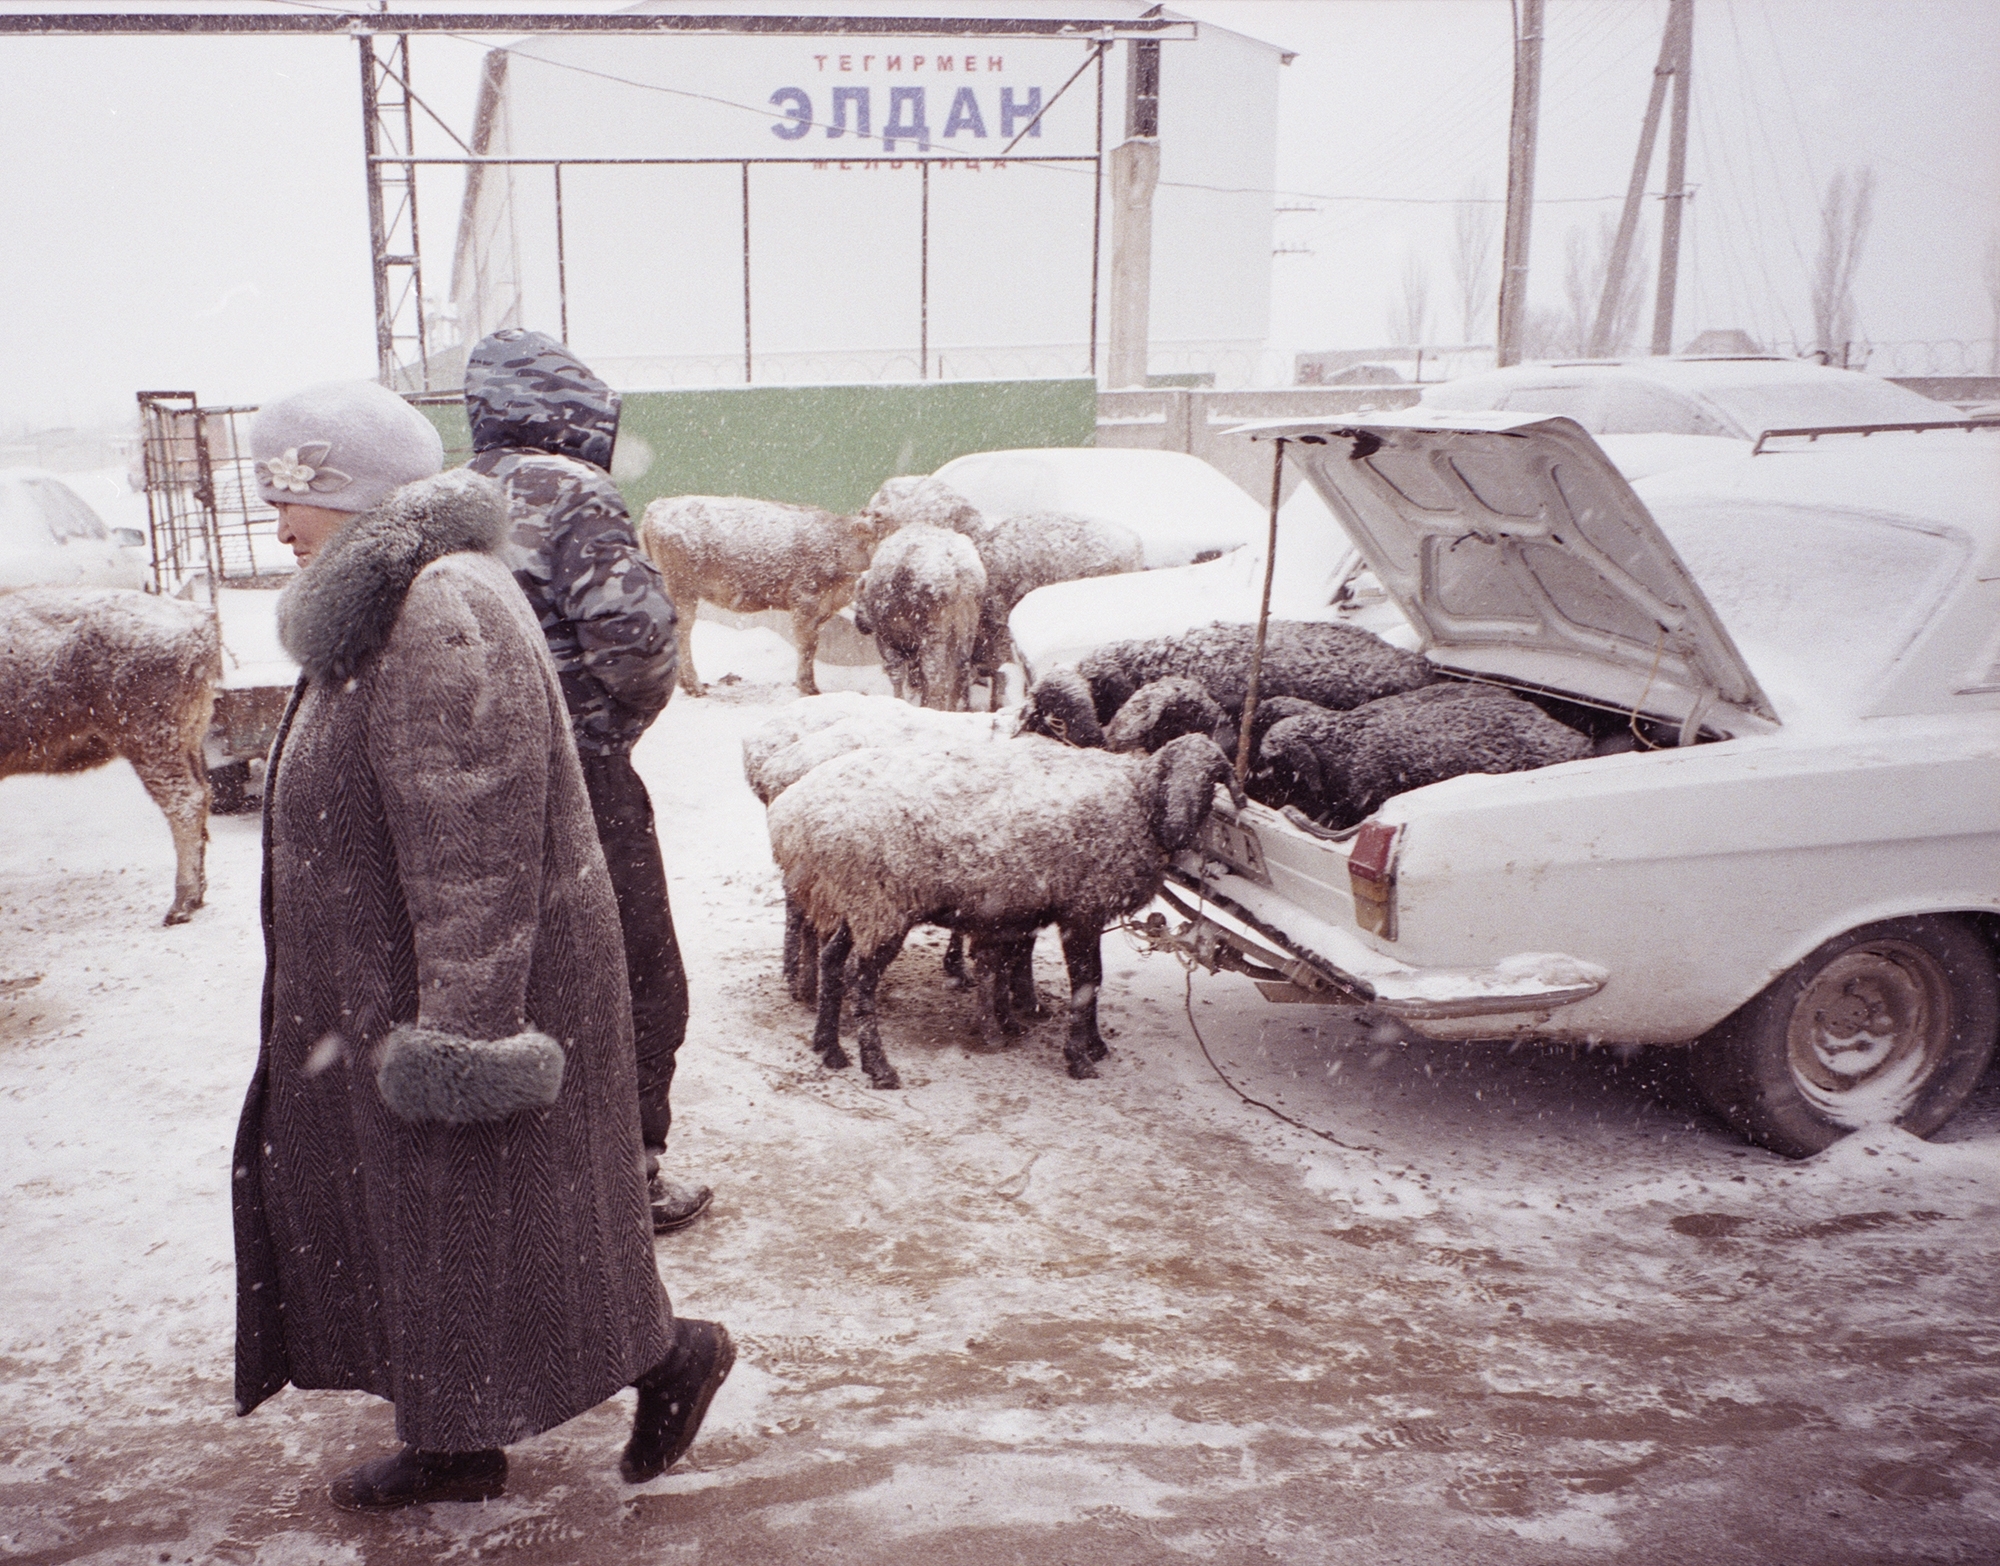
1135 172
1520 181
1680 28
388 127
1628 220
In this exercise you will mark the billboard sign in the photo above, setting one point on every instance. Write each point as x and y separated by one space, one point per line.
813 100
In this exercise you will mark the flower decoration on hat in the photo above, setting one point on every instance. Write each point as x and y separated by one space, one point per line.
301 470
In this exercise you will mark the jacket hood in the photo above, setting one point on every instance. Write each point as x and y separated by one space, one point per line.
343 606
524 388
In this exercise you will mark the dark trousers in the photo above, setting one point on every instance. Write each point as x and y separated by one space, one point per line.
652 955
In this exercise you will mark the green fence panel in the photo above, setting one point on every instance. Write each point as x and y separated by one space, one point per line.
825 446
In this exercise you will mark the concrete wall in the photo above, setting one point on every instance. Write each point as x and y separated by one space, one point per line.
1198 422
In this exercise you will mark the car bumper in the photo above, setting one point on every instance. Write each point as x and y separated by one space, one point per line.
1525 983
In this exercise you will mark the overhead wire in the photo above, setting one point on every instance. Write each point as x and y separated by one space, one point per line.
1750 95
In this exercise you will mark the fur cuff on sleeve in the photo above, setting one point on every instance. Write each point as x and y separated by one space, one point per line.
428 1075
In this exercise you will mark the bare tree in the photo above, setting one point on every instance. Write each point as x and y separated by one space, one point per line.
1844 211
1588 264
1410 315
1475 229
1542 331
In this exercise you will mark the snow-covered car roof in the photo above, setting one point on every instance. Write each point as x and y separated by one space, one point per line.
1181 508
1855 572
1738 398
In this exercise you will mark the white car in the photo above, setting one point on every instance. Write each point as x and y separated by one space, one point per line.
1798 871
1182 509
50 537
1695 399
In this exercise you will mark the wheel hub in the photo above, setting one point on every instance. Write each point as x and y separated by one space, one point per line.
1869 1031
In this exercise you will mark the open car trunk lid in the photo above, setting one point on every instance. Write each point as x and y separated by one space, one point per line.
1520 553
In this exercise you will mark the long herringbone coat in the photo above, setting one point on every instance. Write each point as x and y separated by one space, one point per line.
430 860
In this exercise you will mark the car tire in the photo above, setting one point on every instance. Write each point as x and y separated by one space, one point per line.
1892 1022
229 790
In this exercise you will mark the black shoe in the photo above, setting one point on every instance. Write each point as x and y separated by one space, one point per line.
410 1478
674 1396
674 1205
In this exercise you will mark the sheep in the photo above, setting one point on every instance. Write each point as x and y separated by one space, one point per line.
920 598
777 754
1339 767
1036 549
1330 665
1020 553
751 555
994 840
793 722
89 674
1163 710
915 498
1271 711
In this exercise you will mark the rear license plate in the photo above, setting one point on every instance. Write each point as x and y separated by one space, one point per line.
1236 846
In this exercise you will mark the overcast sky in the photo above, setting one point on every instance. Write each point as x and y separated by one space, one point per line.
188 213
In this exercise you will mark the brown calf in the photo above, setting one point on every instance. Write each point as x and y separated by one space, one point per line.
752 555
89 674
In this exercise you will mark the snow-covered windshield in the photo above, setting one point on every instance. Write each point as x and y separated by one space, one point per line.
1834 400
1838 595
22 524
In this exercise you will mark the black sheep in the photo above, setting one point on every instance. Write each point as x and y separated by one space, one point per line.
1329 665
1339 767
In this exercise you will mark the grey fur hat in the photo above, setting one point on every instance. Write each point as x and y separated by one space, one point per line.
343 446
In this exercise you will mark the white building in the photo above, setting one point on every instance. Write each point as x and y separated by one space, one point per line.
886 238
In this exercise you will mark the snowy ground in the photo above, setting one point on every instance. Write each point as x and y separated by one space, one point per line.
1493 1307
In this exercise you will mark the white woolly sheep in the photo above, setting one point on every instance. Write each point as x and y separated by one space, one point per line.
994 840
923 498
1339 767
793 722
88 675
777 754
1329 665
1036 549
752 555
920 599
1020 553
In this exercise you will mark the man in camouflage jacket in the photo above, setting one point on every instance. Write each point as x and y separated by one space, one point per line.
542 428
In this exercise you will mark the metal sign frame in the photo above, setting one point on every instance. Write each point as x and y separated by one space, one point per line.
389 126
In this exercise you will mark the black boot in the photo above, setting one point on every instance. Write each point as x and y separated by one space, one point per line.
674 1396
410 1477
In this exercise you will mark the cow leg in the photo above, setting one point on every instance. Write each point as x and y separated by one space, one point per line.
687 602
806 621
832 980
1083 951
178 784
868 1030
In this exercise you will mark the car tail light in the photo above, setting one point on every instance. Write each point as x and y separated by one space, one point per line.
1371 873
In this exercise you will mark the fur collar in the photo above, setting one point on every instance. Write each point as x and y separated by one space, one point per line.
343 606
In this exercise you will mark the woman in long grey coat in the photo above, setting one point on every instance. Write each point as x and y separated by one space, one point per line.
439 1185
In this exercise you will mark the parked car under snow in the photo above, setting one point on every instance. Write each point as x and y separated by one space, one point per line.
1733 399
50 537
1796 869
1182 509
